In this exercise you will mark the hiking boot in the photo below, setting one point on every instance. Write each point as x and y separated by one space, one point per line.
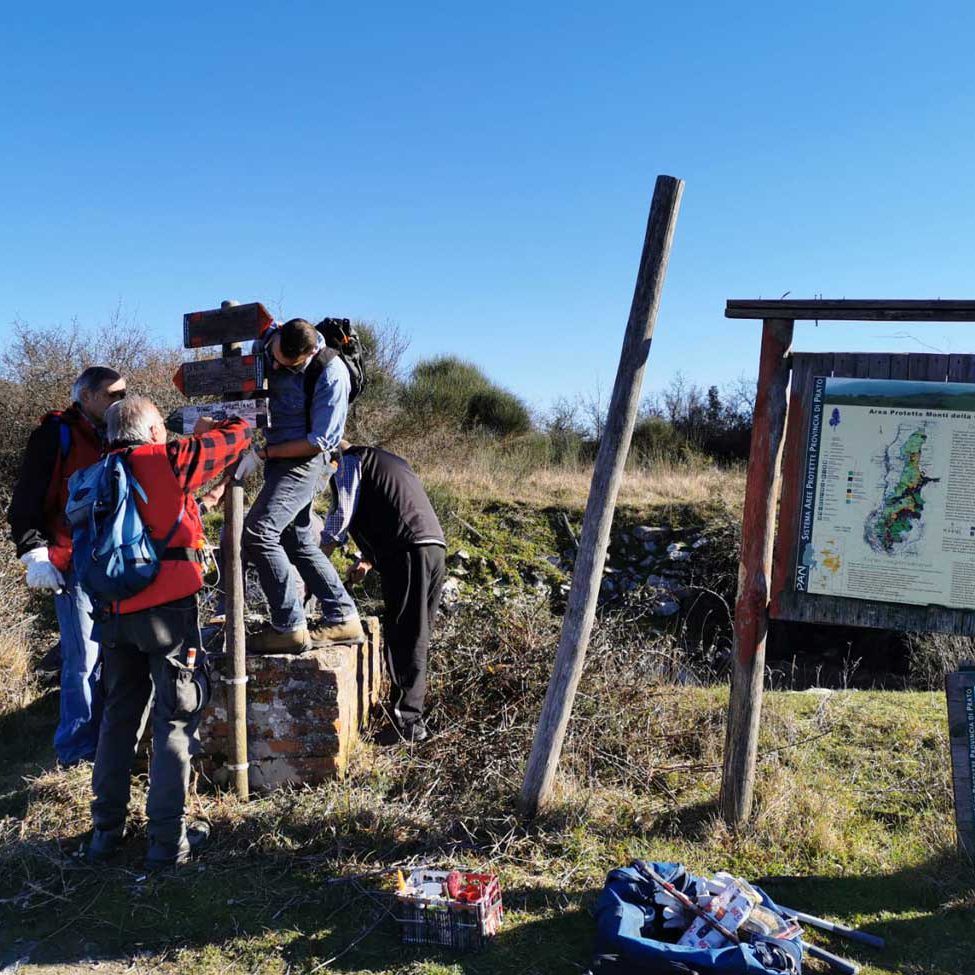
348 631
410 734
270 640
103 844
162 855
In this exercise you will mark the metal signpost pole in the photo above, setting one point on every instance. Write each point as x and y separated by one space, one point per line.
234 633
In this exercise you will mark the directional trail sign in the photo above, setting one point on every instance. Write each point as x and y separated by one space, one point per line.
183 419
221 377
234 323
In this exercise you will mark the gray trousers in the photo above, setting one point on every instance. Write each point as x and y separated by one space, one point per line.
144 657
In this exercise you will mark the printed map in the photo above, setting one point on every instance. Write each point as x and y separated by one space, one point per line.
888 508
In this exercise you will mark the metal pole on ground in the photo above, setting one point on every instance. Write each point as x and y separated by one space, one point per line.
234 633
607 475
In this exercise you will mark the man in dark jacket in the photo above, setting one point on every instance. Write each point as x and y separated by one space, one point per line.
151 642
64 442
380 502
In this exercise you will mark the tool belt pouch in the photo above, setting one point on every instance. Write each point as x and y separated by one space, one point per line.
191 688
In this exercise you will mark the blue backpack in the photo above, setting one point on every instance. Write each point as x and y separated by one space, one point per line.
628 942
114 555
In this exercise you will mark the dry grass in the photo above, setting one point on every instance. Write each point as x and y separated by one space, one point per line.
483 475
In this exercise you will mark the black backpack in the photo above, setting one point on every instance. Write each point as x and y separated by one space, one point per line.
342 341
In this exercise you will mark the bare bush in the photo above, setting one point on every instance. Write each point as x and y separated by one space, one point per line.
933 655
39 365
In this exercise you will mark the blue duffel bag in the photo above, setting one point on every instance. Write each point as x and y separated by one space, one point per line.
626 920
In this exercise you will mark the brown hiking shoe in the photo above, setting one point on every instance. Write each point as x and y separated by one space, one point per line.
270 640
348 631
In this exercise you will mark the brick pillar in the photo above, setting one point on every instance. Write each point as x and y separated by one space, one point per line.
304 712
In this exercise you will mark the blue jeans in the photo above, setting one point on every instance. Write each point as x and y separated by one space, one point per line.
278 534
76 736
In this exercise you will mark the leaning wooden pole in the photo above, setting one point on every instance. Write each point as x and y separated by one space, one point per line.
613 448
754 572
235 635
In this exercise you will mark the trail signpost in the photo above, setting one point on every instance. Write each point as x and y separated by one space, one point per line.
228 323
226 376
869 460
234 377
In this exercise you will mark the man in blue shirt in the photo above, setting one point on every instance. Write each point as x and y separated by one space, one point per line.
305 428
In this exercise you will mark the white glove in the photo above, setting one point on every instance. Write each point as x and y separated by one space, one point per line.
249 464
41 572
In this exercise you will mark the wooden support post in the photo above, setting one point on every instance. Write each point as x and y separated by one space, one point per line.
754 572
613 448
234 633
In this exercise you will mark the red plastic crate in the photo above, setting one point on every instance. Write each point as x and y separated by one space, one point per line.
462 922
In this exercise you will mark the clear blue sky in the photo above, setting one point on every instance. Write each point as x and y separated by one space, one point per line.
480 174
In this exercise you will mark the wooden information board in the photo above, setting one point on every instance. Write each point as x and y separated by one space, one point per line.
777 486
806 607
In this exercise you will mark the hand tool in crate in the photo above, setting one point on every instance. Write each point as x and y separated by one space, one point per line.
455 908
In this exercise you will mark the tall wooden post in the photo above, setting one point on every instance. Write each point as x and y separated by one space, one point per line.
234 633
610 460
754 571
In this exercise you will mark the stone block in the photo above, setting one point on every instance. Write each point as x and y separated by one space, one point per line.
304 712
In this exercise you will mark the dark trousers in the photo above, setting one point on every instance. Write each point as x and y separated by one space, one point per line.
144 657
412 581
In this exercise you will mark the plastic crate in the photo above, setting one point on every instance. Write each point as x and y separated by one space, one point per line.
427 915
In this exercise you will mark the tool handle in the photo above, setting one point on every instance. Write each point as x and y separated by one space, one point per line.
834 961
850 933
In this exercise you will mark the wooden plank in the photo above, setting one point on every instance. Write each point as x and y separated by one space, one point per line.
898 366
219 377
879 366
803 607
754 571
854 309
960 692
229 323
844 364
862 365
917 366
614 445
183 419
937 368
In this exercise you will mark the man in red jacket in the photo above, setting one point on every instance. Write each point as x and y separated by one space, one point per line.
64 442
151 645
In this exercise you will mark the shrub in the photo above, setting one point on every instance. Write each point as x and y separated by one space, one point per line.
458 392
498 412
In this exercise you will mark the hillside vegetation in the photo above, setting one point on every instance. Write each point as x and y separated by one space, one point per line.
853 814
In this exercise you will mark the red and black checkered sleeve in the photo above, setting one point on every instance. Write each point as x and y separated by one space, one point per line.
198 460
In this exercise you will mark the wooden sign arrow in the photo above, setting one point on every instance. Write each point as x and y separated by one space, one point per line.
218 377
183 419
235 323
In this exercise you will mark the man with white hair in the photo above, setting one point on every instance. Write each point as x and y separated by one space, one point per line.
65 441
151 645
